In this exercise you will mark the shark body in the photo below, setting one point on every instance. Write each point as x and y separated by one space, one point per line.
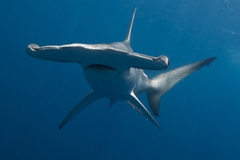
115 72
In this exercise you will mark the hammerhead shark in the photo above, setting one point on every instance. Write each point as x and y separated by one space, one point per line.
116 72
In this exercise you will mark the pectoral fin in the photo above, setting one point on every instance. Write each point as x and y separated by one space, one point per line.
91 97
136 104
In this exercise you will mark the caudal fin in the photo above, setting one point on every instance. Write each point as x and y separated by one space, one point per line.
164 82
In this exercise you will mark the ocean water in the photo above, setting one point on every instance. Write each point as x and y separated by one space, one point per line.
199 116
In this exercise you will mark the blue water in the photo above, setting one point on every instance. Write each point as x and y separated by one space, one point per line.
199 116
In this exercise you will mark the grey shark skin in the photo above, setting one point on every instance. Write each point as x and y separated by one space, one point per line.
115 72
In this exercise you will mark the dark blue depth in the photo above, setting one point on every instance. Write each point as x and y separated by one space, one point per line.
199 116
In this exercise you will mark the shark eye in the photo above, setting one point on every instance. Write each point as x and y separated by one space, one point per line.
34 47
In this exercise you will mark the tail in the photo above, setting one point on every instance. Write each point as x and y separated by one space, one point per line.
164 82
127 40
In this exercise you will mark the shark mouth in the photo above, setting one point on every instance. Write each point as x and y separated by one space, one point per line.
100 67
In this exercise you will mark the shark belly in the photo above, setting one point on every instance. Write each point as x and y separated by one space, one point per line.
111 83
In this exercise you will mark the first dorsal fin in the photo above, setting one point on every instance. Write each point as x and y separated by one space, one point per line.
130 28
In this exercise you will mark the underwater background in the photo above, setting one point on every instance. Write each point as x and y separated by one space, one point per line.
199 116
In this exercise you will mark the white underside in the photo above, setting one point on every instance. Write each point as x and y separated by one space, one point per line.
111 83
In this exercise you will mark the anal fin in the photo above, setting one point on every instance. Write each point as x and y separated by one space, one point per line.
111 103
